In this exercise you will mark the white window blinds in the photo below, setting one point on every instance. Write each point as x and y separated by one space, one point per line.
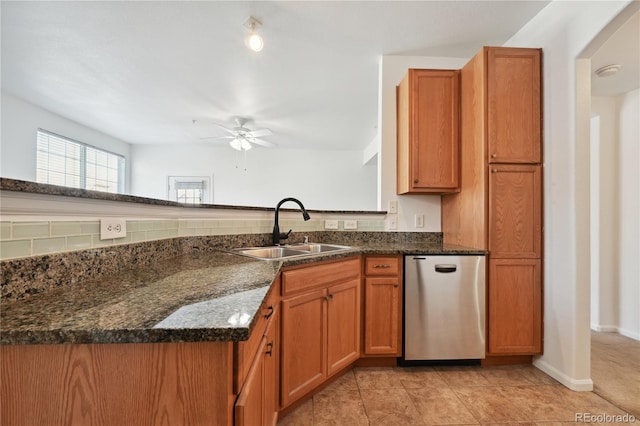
63 161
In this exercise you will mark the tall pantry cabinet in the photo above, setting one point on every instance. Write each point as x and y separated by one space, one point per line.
499 206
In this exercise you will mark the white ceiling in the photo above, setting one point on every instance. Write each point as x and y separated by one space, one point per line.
142 71
623 48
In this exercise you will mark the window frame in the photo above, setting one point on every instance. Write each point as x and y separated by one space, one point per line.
82 176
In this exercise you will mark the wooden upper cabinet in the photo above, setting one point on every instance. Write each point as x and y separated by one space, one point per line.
515 211
513 105
428 132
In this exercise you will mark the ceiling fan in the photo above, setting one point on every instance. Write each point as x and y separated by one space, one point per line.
242 138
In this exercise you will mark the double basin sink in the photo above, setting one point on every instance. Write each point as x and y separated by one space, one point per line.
288 251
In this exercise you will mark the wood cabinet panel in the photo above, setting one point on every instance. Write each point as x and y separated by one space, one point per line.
303 344
382 316
247 350
515 306
249 408
428 132
513 105
343 325
117 384
270 386
515 211
320 275
386 265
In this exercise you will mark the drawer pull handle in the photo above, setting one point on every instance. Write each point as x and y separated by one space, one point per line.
269 349
381 266
268 314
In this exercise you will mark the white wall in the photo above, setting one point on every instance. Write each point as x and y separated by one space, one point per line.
392 70
604 314
628 107
563 30
20 123
326 180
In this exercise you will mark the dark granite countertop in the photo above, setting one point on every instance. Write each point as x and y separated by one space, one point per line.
209 296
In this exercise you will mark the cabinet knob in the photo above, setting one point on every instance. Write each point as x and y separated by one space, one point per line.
494 170
395 285
415 181
494 155
330 296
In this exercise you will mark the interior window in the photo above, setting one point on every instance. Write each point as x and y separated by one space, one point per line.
63 161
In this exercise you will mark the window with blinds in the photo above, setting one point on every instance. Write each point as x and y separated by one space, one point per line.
63 161
189 189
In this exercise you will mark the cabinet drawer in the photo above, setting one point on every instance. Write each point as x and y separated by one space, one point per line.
246 350
320 275
382 266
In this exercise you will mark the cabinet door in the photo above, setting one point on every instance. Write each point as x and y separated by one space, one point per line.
343 325
515 211
515 306
428 132
303 344
382 316
249 406
270 382
513 105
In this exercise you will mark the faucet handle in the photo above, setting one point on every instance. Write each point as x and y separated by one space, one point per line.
285 236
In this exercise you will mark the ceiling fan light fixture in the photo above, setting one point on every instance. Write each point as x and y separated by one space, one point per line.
608 70
253 40
240 144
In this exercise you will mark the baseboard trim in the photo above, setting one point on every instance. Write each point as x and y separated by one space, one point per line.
613 329
583 385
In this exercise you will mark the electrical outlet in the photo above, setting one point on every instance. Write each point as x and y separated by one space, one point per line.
419 220
330 224
392 223
350 224
393 207
113 228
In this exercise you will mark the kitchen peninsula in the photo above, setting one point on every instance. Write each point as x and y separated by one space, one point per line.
169 338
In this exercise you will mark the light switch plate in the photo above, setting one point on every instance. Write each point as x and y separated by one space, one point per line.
113 228
350 224
330 224
419 220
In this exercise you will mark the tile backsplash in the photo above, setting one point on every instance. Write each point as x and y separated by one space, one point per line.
26 239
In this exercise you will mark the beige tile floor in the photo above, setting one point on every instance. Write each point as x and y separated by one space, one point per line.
454 396
615 370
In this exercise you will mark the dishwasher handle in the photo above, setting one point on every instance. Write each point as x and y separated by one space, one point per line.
446 268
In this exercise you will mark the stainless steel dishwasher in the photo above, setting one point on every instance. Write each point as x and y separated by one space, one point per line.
444 307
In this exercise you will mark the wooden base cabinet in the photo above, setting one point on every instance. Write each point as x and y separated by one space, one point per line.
383 306
320 325
515 306
257 403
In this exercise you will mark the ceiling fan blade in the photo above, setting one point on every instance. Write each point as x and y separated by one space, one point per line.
262 142
259 133
196 122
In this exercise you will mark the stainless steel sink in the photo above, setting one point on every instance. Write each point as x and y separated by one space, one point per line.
287 252
318 248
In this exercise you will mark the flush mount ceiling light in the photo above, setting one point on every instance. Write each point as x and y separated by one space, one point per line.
253 40
608 70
